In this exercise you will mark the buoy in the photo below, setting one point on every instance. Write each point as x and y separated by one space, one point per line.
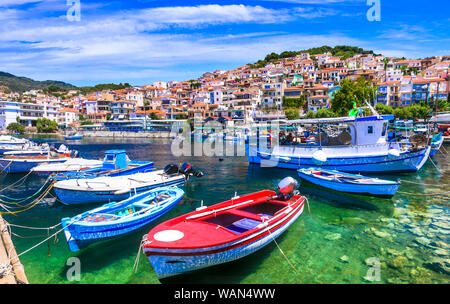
394 153
319 157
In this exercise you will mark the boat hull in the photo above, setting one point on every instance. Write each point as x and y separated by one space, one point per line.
79 235
379 190
405 162
436 145
167 263
77 196
97 171
24 166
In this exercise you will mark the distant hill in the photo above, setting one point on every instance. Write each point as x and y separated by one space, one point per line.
22 84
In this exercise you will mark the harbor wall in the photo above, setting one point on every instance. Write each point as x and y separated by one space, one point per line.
127 134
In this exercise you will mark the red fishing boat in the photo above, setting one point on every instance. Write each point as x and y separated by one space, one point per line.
223 232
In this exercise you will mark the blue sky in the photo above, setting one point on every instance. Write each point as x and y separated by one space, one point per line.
141 41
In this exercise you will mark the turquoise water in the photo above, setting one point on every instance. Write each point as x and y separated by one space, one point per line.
408 234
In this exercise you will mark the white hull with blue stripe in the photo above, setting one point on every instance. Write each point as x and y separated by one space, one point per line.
369 158
108 188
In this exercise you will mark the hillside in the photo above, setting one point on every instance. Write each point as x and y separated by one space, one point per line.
342 51
22 84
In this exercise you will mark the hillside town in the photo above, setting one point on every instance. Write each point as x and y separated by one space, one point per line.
249 93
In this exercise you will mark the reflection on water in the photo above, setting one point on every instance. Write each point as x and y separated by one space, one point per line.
329 243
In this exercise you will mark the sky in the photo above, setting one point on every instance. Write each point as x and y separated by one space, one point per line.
141 41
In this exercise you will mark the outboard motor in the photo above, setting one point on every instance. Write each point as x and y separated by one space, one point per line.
171 169
198 173
186 169
286 188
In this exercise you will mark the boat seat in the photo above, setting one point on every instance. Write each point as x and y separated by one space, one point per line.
242 225
245 214
100 217
279 202
142 205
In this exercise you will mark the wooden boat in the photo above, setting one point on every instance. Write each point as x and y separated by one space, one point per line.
73 136
23 164
115 163
351 183
72 164
436 143
223 232
119 218
114 188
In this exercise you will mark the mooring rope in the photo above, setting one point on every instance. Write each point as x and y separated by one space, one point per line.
35 228
12 200
416 183
136 261
282 252
434 164
45 240
425 194
6 167
16 183
31 205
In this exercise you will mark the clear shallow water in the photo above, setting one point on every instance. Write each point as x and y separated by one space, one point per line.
409 233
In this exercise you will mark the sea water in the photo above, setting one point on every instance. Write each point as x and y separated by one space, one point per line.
339 238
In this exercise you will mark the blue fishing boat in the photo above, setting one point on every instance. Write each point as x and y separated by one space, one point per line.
115 163
119 218
350 183
436 143
361 146
73 137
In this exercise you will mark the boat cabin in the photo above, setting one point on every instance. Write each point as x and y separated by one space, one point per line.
115 159
350 131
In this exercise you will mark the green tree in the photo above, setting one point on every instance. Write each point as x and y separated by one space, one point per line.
382 109
350 91
153 116
16 128
310 115
294 102
292 114
324 113
45 125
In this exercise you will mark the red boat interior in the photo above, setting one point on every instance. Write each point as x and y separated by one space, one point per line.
231 221
246 218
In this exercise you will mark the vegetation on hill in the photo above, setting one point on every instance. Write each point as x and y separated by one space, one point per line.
104 86
22 84
342 51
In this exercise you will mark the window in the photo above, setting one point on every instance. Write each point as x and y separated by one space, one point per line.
370 130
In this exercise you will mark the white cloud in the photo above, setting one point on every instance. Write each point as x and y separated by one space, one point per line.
6 3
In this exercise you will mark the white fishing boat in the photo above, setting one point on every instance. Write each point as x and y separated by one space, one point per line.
72 164
113 188
11 140
30 149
